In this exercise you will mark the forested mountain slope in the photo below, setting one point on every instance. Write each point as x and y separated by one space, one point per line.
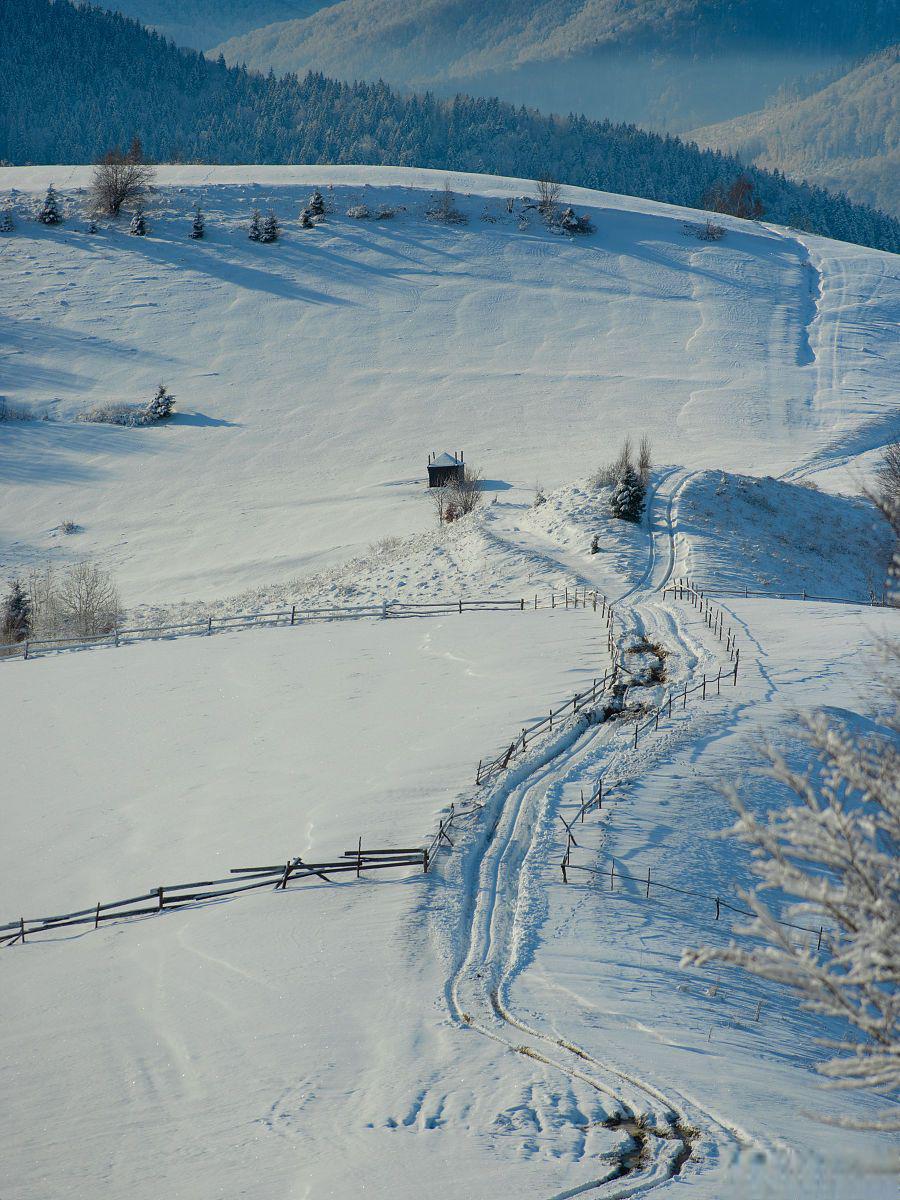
74 82
672 65
845 136
202 23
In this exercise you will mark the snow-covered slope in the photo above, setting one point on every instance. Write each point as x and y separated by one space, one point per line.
487 1029
314 376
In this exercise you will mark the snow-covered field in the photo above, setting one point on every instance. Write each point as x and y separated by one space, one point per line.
486 1029
313 376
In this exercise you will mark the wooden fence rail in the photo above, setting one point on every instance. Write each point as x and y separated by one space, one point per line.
169 896
296 615
872 600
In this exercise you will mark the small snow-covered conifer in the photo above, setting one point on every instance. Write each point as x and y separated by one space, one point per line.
161 405
6 221
306 221
50 212
15 616
138 227
198 225
316 206
627 499
270 229
255 231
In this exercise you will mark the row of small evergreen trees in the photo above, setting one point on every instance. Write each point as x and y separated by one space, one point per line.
76 80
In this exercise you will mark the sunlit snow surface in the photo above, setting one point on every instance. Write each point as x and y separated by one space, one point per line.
312 1042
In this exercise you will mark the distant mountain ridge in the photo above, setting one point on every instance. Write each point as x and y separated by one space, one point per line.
846 135
76 81
202 23
657 62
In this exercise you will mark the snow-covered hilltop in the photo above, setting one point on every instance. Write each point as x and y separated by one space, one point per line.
313 376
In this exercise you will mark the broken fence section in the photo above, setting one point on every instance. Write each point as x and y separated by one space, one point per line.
275 877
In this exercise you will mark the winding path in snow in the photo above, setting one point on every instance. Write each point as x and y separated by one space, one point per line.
664 1127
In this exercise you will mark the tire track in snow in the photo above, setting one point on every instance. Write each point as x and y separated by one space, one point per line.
663 1126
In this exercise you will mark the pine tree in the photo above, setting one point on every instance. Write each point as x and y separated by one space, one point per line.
15 617
6 221
255 231
198 225
306 221
316 206
49 213
270 229
138 227
161 405
628 497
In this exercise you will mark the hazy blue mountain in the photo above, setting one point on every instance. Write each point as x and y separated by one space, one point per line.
202 23
846 135
670 64
75 81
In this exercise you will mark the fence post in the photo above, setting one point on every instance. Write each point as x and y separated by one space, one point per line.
600 795
563 865
737 660
719 683
97 915
116 633
25 653
358 857
635 734
284 878
159 892
425 860
522 602
717 908
670 704
704 687
684 705
612 876
294 611
819 946
209 626
535 601
648 883
22 929
478 774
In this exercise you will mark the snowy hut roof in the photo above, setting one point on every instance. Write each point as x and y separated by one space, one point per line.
445 460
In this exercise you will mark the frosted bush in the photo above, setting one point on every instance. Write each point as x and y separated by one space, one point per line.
359 212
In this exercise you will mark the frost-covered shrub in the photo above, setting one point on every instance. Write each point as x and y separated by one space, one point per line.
359 212
131 415
81 601
68 527
385 212
443 209
138 226
12 412
6 221
569 222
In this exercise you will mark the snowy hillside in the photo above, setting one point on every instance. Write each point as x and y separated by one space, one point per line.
496 1026
314 376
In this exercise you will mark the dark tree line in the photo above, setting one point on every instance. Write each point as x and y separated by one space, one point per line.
75 81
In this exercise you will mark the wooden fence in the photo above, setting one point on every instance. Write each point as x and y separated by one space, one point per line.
872 600
296 615
241 879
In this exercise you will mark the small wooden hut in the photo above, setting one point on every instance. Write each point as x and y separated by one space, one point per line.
445 468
